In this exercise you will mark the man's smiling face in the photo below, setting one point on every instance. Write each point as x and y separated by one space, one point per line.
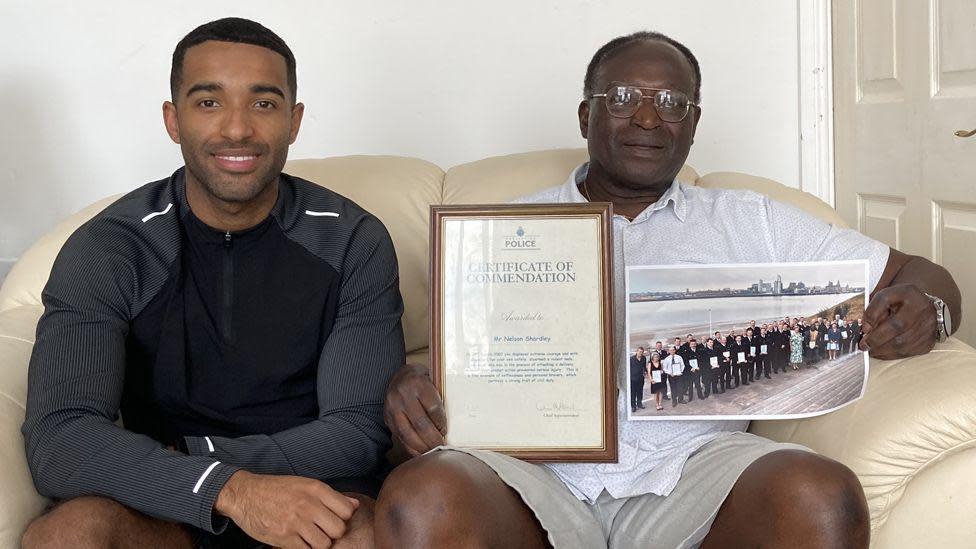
233 119
641 151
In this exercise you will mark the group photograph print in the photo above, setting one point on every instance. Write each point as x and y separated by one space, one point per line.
745 341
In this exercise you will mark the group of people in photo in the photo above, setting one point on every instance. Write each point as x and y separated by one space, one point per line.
711 365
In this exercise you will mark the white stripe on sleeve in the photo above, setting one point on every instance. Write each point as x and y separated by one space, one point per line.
203 477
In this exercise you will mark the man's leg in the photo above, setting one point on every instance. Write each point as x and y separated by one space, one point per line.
805 501
810 501
453 500
97 522
677 391
359 529
640 392
633 394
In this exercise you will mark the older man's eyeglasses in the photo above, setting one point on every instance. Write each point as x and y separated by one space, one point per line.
624 101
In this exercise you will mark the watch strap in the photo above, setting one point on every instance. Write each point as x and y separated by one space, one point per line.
941 315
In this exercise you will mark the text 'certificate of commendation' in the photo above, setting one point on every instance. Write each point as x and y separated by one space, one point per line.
521 338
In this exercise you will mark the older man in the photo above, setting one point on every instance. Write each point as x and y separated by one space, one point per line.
677 484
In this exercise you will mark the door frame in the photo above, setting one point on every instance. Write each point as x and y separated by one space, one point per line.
816 99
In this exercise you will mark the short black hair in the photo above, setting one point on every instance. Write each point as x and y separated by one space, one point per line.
620 42
236 30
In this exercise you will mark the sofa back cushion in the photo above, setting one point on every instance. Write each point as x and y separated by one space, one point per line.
26 280
774 190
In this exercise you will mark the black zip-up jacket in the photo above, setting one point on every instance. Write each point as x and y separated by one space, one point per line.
267 350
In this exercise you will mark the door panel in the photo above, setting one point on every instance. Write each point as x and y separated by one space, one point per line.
904 82
881 218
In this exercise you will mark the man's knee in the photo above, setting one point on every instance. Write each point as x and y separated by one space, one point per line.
421 492
823 493
80 522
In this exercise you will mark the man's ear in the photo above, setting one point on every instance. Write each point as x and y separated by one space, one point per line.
696 112
584 117
296 121
171 121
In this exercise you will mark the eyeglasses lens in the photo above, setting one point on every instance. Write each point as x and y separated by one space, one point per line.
624 101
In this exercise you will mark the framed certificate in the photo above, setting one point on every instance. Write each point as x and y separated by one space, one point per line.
522 329
656 376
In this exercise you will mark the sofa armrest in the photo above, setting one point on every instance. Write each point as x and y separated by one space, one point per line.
19 501
915 425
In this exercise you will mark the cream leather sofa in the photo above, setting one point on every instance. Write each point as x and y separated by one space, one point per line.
910 439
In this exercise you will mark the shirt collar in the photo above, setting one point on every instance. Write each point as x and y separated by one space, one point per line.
675 195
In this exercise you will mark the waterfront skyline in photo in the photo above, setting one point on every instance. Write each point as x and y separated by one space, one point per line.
697 278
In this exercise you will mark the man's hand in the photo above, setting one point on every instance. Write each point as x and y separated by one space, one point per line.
285 511
414 410
899 322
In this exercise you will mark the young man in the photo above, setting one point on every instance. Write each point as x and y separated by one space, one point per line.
244 322
694 362
678 483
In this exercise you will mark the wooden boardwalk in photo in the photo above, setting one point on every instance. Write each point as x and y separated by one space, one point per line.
823 386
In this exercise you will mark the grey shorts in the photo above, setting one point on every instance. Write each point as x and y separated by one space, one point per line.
681 519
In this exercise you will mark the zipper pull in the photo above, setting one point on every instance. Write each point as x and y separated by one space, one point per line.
227 239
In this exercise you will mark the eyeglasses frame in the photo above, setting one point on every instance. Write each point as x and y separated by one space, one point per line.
643 97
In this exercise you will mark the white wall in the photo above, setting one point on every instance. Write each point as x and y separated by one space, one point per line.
81 85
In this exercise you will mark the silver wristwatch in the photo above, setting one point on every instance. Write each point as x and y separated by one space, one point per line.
943 322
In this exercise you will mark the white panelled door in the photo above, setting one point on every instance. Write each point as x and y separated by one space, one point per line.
904 85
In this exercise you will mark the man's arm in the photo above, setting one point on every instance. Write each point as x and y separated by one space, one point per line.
900 320
364 349
75 383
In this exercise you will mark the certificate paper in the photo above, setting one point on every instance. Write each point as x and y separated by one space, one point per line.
656 376
521 342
